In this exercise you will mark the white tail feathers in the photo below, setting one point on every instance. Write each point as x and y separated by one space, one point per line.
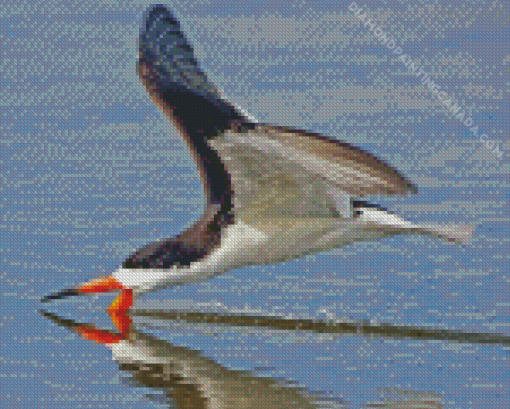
450 233
396 225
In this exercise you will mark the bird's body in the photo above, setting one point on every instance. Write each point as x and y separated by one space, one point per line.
273 193
274 241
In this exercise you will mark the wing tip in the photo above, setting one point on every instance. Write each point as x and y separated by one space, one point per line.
403 188
411 188
151 31
402 185
156 12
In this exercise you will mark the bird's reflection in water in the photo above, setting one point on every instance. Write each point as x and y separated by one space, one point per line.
187 379
184 378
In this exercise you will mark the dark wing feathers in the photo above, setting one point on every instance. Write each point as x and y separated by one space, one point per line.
175 82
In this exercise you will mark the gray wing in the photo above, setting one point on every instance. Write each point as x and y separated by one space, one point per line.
279 172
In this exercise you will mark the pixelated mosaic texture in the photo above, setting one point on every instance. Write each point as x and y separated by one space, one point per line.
91 170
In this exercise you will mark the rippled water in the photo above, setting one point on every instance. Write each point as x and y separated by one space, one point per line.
91 170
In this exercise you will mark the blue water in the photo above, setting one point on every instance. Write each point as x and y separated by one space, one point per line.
91 170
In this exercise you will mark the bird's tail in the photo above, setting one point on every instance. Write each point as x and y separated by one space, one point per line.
394 224
459 234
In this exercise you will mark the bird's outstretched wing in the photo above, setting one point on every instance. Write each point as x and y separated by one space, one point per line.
265 172
281 172
175 82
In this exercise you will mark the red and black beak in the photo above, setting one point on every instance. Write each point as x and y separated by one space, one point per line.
118 310
100 285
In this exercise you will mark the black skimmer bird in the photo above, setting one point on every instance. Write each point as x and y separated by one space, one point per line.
273 193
